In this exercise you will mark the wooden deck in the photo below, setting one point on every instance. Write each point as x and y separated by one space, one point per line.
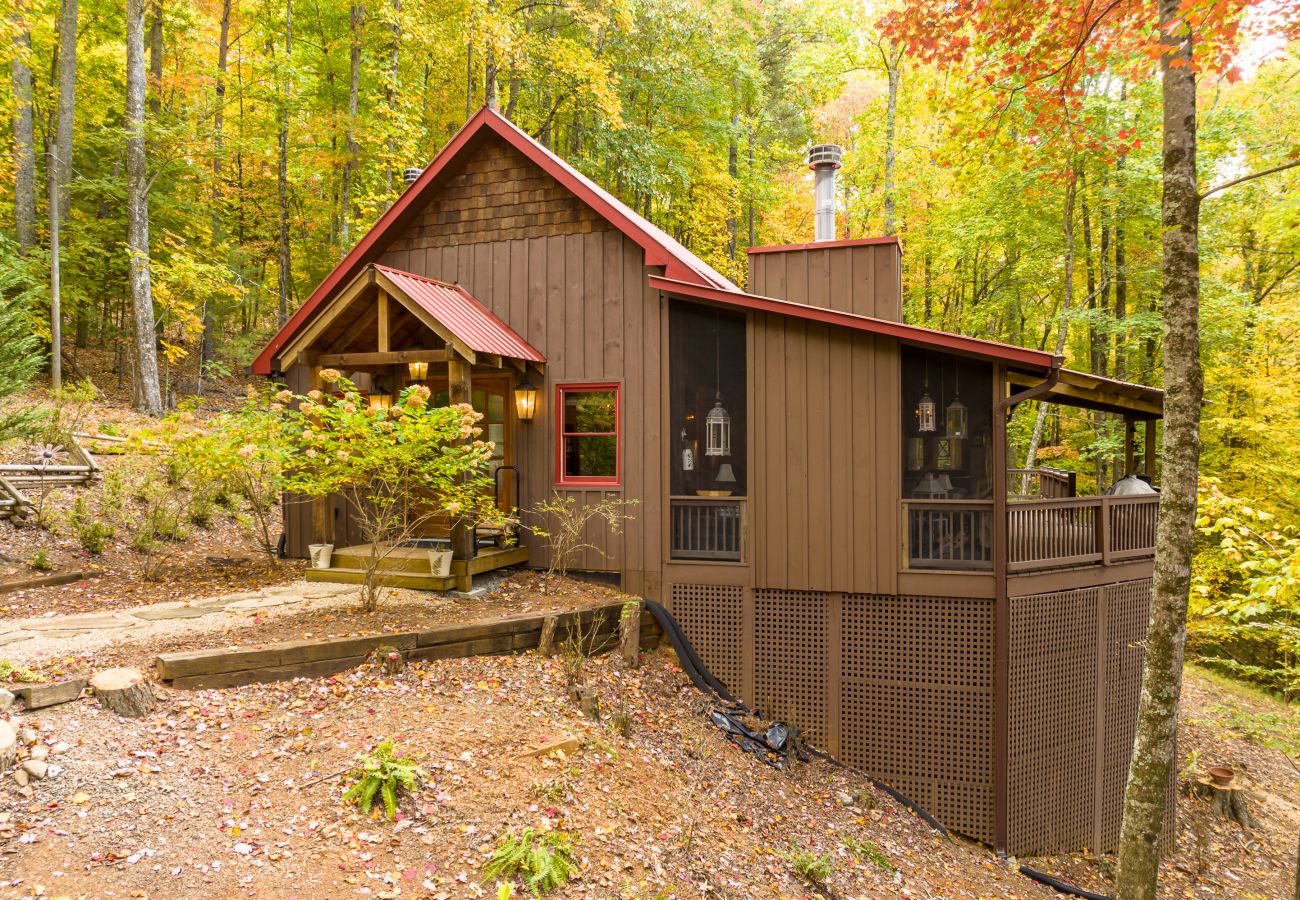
408 567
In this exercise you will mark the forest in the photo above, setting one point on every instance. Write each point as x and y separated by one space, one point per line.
267 136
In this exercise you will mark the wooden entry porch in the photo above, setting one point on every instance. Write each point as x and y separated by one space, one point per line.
408 567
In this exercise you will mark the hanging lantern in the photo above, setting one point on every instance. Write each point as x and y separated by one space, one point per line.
381 401
925 414
717 430
956 418
525 401
418 370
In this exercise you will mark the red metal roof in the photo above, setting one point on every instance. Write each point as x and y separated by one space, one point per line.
463 315
660 248
912 334
827 245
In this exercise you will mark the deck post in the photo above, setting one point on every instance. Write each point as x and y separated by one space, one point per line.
322 523
1130 445
1001 617
1149 451
458 391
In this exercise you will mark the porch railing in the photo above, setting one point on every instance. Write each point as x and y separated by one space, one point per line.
1041 534
1043 483
707 527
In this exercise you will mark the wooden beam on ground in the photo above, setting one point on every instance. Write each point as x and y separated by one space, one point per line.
382 358
459 390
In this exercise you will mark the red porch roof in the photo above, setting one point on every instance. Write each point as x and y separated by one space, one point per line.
463 315
660 248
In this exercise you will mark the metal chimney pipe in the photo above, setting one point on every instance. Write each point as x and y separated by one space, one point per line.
412 175
824 159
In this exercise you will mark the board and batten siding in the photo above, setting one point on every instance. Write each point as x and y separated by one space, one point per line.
826 458
582 300
861 279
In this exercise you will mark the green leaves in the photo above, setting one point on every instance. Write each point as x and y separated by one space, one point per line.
544 861
381 773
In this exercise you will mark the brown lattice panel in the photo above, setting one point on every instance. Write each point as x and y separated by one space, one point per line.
790 659
917 701
710 616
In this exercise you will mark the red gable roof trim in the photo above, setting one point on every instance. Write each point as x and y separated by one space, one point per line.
660 248
463 315
827 245
912 334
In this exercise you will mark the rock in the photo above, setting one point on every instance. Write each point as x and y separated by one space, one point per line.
40 751
29 735
37 768
60 747
53 770
8 746
844 798
6 699
22 777
477 593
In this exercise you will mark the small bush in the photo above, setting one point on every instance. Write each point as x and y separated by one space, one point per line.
868 851
808 867
10 672
382 774
93 533
543 861
41 562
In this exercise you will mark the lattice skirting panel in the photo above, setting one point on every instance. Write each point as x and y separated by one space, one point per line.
710 616
1076 666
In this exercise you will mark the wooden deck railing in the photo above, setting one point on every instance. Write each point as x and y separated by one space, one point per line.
707 528
1043 483
1041 534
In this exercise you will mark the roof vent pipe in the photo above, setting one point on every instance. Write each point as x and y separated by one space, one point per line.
412 175
824 159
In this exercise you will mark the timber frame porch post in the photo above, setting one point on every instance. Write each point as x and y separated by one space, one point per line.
459 391
1001 616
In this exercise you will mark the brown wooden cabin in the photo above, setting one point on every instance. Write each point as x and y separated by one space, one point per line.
966 631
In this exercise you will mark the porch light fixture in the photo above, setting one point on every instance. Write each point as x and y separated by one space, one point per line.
956 417
418 370
717 430
381 401
525 401
925 414
726 475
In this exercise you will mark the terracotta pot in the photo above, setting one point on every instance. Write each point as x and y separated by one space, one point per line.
1221 774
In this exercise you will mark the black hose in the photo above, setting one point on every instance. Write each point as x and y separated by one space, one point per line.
704 680
1057 884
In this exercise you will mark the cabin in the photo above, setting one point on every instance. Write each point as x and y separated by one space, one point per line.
824 497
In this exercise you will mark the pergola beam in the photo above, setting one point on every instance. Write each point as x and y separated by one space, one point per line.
382 358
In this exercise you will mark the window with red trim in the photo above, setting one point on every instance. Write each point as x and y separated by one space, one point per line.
588 434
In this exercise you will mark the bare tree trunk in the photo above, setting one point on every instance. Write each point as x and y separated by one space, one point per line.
148 394
1067 304
1121 283
286 273
353 151
56 289
894 69
1162 664
490 63
733 170
390 95
207 349
24 132
62 170
155 57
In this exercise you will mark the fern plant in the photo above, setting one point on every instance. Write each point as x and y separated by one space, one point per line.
381 774
543 861
808 866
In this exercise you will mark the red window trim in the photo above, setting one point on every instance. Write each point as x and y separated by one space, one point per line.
562 480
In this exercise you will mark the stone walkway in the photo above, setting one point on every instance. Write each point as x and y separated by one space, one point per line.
27 640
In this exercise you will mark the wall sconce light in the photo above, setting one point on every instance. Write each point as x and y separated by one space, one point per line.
418 370
381 401
525 401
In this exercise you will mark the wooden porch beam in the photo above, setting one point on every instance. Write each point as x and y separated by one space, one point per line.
384 322
359 327
331 314
382 358
1149 451
1130 446
459 390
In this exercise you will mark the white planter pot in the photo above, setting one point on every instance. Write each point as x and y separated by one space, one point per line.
321 554
440 563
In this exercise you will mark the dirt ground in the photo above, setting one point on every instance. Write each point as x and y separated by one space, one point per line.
235 793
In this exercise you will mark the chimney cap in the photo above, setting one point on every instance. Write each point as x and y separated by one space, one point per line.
412 175
825 155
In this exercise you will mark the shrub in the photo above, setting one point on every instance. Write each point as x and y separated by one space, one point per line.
41 562
563 521
11 672
93 533
868 851
543 861
381 774
808 867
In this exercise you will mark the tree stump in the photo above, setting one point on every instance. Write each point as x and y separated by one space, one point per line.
1227 801
125 692
629 633
546 645
8 747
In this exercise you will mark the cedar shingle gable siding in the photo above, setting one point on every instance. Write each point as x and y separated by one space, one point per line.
498 195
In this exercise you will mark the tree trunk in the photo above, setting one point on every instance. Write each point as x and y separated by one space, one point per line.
148 397
155 57
353 151
1121 284
390 95
66 104
893 68
1162 664
24 132
490 61
282 181
1067 304
207 347
124 691
733 170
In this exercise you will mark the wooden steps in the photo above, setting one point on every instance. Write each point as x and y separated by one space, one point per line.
408 567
